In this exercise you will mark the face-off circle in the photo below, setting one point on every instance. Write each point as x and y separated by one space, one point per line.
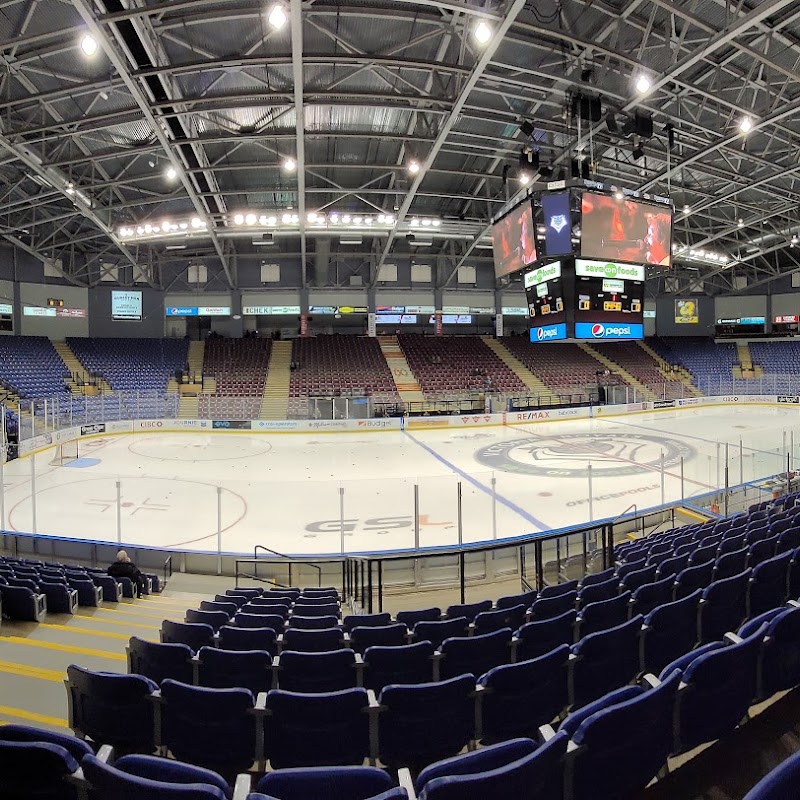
570 455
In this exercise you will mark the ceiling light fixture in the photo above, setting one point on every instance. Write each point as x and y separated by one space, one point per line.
89 45
277 17
170 173
290 165
483 33
746 125
740 222
524 179
643 84
413 167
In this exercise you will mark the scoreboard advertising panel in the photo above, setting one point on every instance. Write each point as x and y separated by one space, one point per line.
609 300
544 292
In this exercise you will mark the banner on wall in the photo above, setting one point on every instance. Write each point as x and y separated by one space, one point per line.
686 312
304 324
371 325
437 323
498 325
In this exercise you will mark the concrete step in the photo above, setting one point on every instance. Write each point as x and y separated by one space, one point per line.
404 379
646 393
526 375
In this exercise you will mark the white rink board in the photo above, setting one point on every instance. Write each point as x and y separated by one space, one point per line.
282 487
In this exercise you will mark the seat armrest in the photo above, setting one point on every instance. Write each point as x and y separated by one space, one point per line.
242 787
649 681
731 638
261 703
404 779
546 733
106 754
373 709
793 604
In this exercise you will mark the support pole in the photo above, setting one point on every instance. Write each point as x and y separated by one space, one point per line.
219 530
494 506
33 494
741 464
662 479
341 518
119 512
716 485
416 516
683 495
459 517
591 492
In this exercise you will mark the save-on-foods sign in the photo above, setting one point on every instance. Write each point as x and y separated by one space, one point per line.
608 269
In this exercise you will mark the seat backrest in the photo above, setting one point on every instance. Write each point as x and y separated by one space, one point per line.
475 654
109 783
780 783
407 664
111 709
232 637
344 782
437 632
670 631
723 606
509 617
603 614
314 641
216 619
386 636
647 597
540 637
195 635
411 618
317 672
195 722
468 610
549 607
157 661
230 669
366 621
320 729
473 776
245 620
312 623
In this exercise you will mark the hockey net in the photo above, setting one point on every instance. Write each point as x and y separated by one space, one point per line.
64 453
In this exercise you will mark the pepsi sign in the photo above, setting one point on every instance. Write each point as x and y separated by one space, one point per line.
610 330
549 333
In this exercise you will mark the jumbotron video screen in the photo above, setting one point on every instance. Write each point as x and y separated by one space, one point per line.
625 230
514 240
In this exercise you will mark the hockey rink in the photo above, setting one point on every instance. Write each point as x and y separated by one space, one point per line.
290 492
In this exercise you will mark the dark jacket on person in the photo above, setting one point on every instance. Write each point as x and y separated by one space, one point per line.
127 569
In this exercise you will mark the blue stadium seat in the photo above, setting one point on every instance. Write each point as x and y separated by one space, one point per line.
779 784
281 605
329 783
731 563
718 688
525 599
603 614
617 751
237 599
35 764
22 603
232 669
475 654
245 620
510 617
112 588
534 639
162 780
411 618
112 709
366 621
767 587
412 663
317 609
558 589
692 578
468 610
232 637
517 698
317 730
211 728
425 723
60 598
158 661
437 632
669 631
550 607
313 641
215 619
194 635
385 636
723 607
88 594
312 623
317 672
652 595
633 580
266 609
214 605
779 658
604 661
508 771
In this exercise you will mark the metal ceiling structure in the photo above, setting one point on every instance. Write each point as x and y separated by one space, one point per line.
348 95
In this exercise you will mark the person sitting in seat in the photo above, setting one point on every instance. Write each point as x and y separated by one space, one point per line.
123 567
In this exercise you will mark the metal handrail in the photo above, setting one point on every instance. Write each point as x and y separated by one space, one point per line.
167 569
289 559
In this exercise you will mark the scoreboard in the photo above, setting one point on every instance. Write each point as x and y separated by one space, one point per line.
584 299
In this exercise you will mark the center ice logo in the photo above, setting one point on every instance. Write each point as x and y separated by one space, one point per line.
568 455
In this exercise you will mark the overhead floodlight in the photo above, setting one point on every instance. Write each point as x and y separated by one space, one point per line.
413 167
277 16
170 173
482 32
290 165
740 222
239 219
687 209
794 240
746 125
89 45
250 219
619 195
643 84
524 178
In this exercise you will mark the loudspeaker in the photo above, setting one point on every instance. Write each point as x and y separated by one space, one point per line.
643 125
588 109
526 128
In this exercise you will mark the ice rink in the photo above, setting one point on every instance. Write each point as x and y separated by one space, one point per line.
288 491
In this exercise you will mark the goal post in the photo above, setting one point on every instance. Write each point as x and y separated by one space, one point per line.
64 453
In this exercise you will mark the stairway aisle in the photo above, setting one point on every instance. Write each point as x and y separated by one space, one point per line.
532 381
404 379
275 398
680 374
642 390
79 372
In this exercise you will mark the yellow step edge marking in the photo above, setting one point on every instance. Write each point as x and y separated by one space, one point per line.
82 631
63 648
101 621
20 713
140 614
28 671
693 514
